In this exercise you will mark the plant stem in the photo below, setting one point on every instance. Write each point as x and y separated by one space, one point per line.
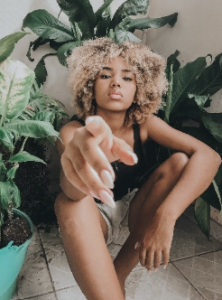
23 144
10 212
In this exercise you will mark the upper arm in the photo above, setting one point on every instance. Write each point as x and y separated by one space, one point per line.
167 136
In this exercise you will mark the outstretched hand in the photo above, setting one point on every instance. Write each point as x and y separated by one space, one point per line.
86 159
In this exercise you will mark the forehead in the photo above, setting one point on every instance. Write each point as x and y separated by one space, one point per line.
117 63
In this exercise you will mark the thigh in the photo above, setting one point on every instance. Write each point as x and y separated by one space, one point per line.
158 185
71 214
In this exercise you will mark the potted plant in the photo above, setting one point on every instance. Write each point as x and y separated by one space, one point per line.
21 118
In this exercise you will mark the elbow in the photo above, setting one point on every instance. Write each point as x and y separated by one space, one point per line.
216 159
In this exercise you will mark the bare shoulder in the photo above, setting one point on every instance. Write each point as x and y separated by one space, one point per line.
66 134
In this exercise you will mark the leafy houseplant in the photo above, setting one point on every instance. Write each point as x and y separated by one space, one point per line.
87 24
21 118
185 108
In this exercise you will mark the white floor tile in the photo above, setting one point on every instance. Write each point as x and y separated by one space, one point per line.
34 278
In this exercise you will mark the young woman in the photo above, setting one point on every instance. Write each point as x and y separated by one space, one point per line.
117 90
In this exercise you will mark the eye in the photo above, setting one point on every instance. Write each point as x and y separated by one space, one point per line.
127 78
105 76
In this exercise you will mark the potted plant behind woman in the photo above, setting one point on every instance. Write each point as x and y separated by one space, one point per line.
21 118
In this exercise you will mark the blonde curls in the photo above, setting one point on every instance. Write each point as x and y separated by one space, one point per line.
87 61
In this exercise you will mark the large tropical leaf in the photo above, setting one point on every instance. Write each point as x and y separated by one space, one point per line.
6 139
47 26
129 8
185 78
102 9
7 44
145 23
210 81
213 122
80 11
16 80
34 129
24 156
202 215
123 35
65 50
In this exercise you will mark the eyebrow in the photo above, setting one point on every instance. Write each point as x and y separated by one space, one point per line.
110 69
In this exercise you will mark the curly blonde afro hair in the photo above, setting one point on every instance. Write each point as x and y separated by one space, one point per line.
87 61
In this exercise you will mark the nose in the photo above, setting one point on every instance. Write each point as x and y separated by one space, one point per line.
115 82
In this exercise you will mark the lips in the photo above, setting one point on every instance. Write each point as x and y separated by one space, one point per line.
115 95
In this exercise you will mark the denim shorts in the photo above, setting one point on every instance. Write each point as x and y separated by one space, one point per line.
116 218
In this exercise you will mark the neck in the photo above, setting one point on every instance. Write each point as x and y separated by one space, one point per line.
115 120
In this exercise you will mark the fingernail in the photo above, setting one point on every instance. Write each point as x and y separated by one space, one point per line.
155 270
93 194
134 157
136 245
106 198
107 178
88 120
164 267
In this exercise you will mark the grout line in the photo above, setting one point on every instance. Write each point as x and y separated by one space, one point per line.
196 255
44 255
34 297
189 282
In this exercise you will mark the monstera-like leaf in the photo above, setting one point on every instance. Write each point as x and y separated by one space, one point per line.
15 85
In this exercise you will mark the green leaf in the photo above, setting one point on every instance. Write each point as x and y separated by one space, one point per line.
12 172
7 44
129 8
24 156
123 35
202 215
9 193
211 197
6 139
34 129
41 72
15 85
185 78
145 23
210 80
172 60
47 26
80 11
102 9
213 122
199 100
65 50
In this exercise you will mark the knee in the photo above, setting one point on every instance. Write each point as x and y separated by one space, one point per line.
178 162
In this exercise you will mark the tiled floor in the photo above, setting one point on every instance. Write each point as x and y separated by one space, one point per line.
194 272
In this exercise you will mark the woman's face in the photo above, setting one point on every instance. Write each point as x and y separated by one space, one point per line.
115 86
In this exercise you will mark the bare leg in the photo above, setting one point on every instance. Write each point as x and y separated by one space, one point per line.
146 201
83 230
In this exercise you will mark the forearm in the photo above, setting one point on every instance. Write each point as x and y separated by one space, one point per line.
69 190
195 179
